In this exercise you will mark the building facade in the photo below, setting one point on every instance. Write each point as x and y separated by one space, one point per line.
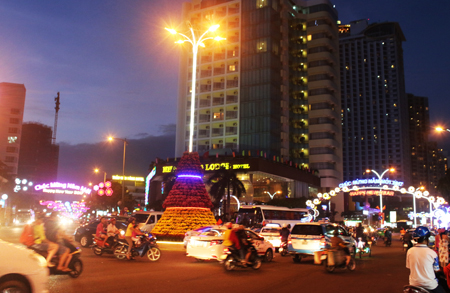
272 87
12 102
374 103
38 155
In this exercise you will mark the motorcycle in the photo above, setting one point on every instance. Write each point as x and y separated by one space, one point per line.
232 259
336 259
414 289
283 248
364 247
75 264
146 247
101 246
387 241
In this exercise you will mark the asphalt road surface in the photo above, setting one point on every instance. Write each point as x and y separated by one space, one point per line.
385 271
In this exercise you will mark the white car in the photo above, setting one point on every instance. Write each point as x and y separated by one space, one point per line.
208 245
22 270
271 234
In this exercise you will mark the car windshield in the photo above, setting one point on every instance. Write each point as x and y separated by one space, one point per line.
270 230
141 218
307 230
213 232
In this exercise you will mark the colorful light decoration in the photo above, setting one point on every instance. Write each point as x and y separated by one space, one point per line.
70 210
104 188
190 176
22 184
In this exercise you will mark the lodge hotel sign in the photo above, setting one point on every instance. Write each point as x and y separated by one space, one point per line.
212 167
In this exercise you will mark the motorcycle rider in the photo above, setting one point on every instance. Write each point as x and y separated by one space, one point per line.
338 243
423 262
101 231
284 233
112 230
245 245
231 240
132 227
41 243
407 238
388 235
53 233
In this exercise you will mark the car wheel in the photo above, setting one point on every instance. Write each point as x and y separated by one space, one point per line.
268 257
297 258
77 269
84 241
154 253
14 286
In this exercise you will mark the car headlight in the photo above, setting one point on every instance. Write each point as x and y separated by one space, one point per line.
39 258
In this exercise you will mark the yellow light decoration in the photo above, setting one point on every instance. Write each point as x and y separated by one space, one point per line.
385 187
418 194
316 201
332 193
411 189
319 195
337 189
403 190
426 193
432 199
326 196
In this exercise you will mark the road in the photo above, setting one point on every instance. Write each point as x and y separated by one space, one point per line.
383 272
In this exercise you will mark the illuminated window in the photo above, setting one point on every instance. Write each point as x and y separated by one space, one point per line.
309 37
12 139
261 3
261 45
232 68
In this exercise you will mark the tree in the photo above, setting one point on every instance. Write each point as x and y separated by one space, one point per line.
224 180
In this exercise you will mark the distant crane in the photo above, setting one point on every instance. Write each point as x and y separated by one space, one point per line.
57 103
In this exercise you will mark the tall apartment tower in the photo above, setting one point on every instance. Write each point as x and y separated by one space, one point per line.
272 86
12 102
374 103
419 128
38 156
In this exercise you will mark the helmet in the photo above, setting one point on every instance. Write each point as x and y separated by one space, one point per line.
284 225
131 219
421 232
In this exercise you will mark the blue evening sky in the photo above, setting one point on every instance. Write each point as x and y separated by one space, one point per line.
117 69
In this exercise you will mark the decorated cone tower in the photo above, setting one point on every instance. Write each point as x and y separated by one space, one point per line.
188 205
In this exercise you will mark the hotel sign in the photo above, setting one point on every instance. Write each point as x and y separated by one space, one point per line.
212 167
128 178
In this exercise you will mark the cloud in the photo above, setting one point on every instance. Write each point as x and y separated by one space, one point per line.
167 128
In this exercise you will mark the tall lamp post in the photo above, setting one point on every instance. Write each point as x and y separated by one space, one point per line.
272 195
96 170
380 177
440 129
195 46
123 165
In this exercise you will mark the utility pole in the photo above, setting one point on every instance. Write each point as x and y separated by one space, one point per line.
57 103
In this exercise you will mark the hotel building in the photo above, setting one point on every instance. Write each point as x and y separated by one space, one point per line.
272 87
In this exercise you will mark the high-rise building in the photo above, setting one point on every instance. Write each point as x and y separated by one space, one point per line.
419 128
12 102
271 87
38 156
374 103
437 166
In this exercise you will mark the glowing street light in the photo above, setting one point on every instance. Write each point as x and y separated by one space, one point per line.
96 170
272 195
440 129
123 165
195 44
380 177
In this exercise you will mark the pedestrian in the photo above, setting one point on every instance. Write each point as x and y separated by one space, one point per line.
443 249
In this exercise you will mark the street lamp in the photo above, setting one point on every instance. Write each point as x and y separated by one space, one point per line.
440 129
96 170
123 165
195 44
272 195
380 177
418 194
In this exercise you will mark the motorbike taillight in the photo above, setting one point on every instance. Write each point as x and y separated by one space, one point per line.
226 250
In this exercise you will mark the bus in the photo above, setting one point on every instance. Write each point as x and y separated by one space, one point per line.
261 215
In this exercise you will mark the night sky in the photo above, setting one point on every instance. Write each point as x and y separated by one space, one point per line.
117 68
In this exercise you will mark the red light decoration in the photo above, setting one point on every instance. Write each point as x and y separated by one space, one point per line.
104 188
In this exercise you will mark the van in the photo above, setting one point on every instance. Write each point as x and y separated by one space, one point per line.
146 221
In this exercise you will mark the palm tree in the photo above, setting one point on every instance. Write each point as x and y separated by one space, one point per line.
224 180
